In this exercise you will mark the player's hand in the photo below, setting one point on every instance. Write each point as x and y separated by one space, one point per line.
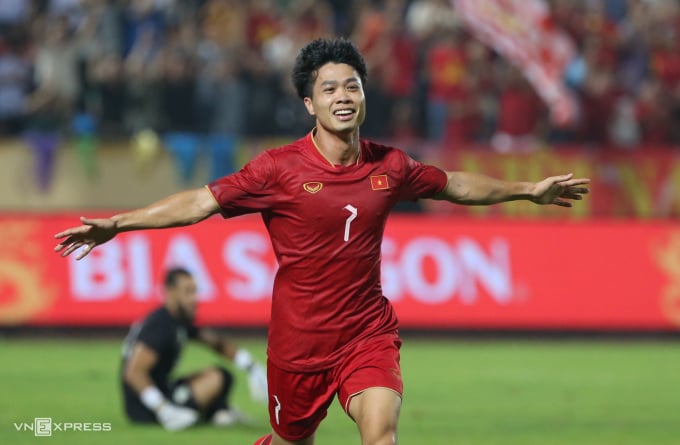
175 418
559 190
92 233
257 382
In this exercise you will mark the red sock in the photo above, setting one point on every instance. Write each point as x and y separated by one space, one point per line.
264 440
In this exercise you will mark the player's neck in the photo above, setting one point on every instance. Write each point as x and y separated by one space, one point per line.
172 309
337 149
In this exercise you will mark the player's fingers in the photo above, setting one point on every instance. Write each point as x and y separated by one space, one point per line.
67 242
567 195
581 190
573 182
66 252
63 244
561 178
85 251
63 234
74 246
575 190
562 203
72 231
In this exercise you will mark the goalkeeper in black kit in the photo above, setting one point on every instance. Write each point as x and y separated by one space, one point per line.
151 351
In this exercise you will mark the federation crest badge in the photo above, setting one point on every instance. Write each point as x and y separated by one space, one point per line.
312 187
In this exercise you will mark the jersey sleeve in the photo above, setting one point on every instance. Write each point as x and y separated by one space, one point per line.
157 334
250 190
421 180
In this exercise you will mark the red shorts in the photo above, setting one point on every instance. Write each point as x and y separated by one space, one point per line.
298 401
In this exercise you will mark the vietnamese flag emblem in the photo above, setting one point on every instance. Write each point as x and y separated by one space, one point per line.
379 182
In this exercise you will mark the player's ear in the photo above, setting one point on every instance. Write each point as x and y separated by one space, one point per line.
309 105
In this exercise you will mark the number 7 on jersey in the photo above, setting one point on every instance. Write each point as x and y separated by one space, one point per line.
353 214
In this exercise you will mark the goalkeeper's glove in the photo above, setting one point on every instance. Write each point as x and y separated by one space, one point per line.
257 376
172 417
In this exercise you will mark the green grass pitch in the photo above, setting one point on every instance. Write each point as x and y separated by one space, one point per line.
506 392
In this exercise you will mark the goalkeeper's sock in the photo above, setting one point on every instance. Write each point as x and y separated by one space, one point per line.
264 440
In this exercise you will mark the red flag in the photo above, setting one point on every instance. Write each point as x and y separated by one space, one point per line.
523 32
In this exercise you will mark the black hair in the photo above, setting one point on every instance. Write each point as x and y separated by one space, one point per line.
320 52
172 275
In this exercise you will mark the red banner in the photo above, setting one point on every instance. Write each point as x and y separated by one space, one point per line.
439 272
639 184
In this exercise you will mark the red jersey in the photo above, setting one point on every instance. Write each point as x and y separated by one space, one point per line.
326 225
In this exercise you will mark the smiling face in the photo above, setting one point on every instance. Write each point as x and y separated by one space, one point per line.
338 100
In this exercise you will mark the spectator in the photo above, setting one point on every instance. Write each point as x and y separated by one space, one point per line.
445 71
425 18
263 84
430 79
14 14
634 49
262 23
56 76
222 95
109 88
653 113
223 22
624 128
177 92
14 85
520 111
142 105
143 23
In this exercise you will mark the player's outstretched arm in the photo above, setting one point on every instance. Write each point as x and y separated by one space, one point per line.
477 189
180 209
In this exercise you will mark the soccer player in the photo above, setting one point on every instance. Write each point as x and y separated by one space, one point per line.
151 351
324 200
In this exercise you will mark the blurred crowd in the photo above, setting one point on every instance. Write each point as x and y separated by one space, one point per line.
222 67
